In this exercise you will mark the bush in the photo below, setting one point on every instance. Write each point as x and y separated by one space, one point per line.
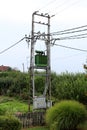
70 86
2 111
9 123
66 115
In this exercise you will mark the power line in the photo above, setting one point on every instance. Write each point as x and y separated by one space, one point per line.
68 30
80 36
77 49
69 56
77 31
70 38
12 46
49 3
67 7
57 7
59 4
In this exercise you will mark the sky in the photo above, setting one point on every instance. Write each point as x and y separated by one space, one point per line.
15 22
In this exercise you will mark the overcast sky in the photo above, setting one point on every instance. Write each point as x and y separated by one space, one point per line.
15 22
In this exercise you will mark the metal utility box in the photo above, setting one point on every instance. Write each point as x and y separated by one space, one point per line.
49 104
40 59
39 102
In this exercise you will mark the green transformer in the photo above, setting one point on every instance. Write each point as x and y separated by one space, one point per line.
40 59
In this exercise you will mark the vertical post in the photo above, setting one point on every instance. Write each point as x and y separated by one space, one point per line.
23 67
48 60
32 89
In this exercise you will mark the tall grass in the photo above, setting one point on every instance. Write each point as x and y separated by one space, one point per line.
37 128
11 105
66 115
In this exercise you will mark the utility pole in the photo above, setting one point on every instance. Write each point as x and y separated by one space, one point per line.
40 60
23 67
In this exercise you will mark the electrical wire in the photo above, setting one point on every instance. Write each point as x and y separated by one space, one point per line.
77 30
69 30
84 35
70 56
80 36
49 3
12 46
77 49
67 7
59 4
73 38
56 7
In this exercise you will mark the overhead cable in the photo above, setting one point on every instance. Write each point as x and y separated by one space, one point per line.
70 38
77 49
12 46
67 7
56 6
49 3
68 30
83 35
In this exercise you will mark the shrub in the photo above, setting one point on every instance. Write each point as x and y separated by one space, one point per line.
2 111
9 123
70 86
66 115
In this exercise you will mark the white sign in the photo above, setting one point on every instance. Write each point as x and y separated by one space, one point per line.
39 102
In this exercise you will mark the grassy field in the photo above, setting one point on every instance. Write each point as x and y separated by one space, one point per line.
81 127
37 128
12 105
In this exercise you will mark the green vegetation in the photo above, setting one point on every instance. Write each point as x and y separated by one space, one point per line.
70 86
66 115
11 105
9 123
83 126
65 86
41 128
14 84
37 128
7 119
